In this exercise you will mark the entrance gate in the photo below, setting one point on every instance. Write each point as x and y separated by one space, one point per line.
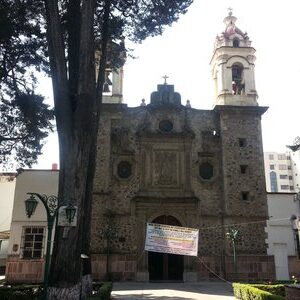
163 266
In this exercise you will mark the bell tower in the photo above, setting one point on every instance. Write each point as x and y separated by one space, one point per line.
233 66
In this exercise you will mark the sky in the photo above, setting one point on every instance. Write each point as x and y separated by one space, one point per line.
183 53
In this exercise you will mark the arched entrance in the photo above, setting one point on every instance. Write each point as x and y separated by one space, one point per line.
163 266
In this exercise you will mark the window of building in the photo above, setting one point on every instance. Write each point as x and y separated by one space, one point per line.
291 187
281 156
33 242
244 169
206 171
238 85
245 196
272 167
289 168
290 177
242 142
283 176
273 182
297 242
124 169
165 126
282 167
288 157
236 43
271 156
285 187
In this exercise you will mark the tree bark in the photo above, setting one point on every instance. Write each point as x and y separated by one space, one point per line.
75 107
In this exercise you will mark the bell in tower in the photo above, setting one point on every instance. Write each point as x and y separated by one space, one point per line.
233 66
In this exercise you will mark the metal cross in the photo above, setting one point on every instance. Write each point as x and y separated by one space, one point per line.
165 78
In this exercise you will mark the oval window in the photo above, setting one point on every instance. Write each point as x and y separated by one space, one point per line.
206 171
124 169
165 126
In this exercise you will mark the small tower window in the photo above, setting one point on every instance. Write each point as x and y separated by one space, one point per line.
244 169
242 142
238 85
245 196
236 43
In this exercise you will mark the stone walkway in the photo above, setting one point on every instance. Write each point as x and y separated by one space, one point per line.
172 291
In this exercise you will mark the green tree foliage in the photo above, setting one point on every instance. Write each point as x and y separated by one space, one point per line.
24 117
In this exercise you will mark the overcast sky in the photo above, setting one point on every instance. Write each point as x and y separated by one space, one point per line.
184 51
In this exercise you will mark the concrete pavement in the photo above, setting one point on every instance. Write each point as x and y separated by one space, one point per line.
174 291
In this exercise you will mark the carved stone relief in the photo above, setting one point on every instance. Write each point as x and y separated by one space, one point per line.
165 168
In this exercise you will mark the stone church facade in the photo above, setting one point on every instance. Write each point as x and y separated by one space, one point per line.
170 163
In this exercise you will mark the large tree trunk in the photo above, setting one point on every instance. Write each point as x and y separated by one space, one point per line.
75 107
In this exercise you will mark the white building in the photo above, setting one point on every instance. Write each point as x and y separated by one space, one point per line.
27 244
283 233
280 172
7 188
295 162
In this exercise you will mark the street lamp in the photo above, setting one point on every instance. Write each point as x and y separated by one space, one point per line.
232 236
51 205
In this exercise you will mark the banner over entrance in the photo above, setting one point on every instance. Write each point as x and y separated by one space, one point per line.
171 239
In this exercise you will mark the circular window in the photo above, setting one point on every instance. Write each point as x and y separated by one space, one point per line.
165 126
124 169
206 171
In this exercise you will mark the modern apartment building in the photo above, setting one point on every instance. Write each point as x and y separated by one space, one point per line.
282 171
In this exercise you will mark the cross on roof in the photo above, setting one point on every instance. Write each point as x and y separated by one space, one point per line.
165 78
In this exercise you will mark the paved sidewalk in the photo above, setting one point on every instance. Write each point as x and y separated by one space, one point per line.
172 291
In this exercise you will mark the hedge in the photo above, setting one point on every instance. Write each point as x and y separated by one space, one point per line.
252 292
103 293
276 289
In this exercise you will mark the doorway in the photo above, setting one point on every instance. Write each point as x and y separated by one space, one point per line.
163 266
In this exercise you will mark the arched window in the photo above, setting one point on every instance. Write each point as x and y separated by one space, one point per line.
238 85
273 181
236 43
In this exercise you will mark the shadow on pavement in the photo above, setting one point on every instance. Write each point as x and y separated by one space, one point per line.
175 291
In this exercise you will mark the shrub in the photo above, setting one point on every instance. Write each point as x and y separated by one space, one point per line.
103 293
250 292
276 289
20 292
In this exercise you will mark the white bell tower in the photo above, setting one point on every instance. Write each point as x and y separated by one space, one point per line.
233 67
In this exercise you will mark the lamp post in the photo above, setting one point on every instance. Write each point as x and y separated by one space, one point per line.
51 205
232 236
108 233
